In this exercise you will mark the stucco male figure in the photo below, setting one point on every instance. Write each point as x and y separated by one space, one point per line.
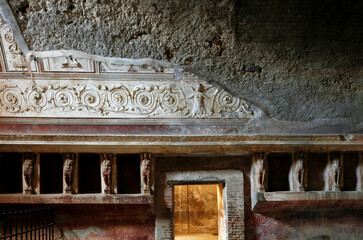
299 170
260 171
335 171
146 171
198 96
107 171
68 171
28 172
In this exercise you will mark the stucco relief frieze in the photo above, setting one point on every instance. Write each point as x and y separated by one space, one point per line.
127 68
121 99
67 64
160 89
12 56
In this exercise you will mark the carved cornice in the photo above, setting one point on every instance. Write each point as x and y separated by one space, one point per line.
177 144
243 139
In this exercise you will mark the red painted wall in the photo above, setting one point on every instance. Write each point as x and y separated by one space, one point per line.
101 222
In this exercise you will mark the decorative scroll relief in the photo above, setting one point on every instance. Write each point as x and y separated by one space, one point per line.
120 99
13 57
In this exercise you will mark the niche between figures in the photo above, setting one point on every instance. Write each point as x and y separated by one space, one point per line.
316 163
128 174
11 173
89 170
278 171
51 173
350 167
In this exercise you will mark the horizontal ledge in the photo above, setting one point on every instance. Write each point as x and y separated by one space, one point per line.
270 202
69 76
283 196
177 142
245 138
77 198
165 144
225 148
94 122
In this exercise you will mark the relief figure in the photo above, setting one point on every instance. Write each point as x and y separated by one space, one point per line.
68 171
28 171
260 171
299 170
107 171
146 170
199 96
335 174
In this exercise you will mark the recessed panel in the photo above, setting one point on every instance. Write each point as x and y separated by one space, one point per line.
128 171
317 163
11 173
279 165
51 173
350 165
89 170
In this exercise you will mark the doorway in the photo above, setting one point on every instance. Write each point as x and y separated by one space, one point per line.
198 212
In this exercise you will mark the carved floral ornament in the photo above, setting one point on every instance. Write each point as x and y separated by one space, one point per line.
122 99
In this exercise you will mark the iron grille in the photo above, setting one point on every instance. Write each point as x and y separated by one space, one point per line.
27 223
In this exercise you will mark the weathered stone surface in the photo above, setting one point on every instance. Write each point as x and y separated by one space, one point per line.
299 60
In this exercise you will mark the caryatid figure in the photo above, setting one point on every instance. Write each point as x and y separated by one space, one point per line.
28 171
68 170
260 171
335 170
146 170
299 170
107 171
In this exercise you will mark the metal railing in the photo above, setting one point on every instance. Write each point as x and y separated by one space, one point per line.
27 223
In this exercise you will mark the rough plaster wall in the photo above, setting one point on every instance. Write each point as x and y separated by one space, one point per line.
318 224
299 60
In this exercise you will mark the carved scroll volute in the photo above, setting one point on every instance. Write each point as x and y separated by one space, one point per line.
69 172
259 172
29 172
335 173
299 172
146 172
106 171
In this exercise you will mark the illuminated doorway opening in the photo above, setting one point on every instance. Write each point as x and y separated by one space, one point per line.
198 212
